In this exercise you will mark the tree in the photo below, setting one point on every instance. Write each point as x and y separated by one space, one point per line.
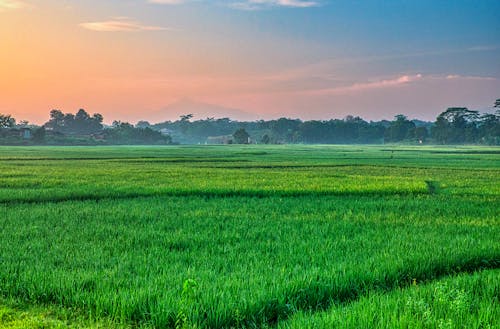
186 117
284 128
125 133
80 123
56 121
421 134
440 130
142 124
184 122
7 121
489 129
400 129
82 115
265 139
241 136
39 135
312 131
456 125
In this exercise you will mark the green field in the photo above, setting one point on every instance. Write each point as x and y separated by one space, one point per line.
250 236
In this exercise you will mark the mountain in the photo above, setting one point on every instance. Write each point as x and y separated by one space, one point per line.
201 111
421 123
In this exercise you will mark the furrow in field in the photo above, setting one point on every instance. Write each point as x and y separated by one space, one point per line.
320 296
457 301
209 194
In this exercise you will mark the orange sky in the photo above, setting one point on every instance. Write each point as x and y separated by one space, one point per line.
74 54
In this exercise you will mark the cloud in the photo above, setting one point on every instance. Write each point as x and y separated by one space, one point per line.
259 4
387 83
484 48
468 77
293 3
391 83
121 24
167 2
250 4
12 4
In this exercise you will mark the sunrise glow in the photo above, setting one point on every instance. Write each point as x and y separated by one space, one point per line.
133 60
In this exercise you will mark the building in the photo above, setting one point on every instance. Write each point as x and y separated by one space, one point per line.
25 133
227 139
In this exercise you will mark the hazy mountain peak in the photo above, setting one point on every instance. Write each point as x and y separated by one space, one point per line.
201 110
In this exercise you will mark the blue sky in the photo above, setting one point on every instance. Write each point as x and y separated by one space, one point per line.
314 59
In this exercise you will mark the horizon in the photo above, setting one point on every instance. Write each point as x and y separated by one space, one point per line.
108 122
153 59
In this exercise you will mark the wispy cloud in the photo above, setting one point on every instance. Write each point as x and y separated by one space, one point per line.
249 4
356 87
121 24
260 4
392 83
335 68
484 48
168 2
468 77
13 4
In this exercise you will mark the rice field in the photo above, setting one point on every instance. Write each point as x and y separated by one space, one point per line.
250 237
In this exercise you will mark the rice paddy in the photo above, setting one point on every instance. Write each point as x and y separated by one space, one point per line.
251 236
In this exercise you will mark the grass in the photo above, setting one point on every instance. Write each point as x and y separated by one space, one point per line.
251 236
462 301
14 315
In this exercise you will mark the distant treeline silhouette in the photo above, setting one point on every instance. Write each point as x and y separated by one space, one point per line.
77 129
456 125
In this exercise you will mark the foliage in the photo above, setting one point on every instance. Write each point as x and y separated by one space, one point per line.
453 126
241 136
267 231
6 121
143 124
456 125
400 129
39 135
80 129
186 304
463 301
265 139
125 133
18 315
459 125
80 123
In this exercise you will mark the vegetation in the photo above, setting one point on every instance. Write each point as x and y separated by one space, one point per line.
125 133
252 236
464 301
453 126
241 136
7 121
80 124
457 125
77 129
16 315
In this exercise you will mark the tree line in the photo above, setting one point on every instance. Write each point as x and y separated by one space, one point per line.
456 125
80 128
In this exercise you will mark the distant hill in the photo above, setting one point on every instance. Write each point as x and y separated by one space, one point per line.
201 111
420 123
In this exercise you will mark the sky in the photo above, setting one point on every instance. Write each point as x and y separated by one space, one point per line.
154 60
